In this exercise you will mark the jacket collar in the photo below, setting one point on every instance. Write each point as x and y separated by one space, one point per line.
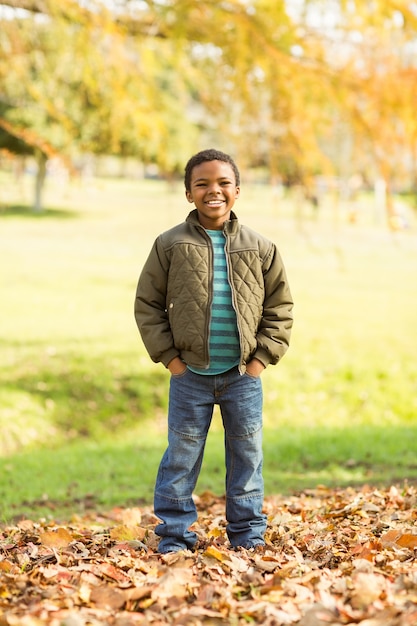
230 227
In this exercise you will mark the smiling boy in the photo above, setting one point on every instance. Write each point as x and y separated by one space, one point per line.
214 306
213 190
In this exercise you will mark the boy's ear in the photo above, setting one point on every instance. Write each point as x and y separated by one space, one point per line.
189 196
237 194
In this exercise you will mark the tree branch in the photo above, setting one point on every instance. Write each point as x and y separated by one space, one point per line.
142 24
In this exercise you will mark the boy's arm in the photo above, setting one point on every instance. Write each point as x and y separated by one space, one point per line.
150 307
274 332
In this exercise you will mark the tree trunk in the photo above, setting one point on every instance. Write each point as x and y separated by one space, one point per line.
41 160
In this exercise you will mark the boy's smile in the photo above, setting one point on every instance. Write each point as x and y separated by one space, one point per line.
213 190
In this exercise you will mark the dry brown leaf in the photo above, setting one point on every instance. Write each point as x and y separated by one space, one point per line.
106 597
137 593
390 538
127 533
407 540
216 554
59 538
131 517
8 567
367 589
355 565
266 563
174 583
84 592
113 572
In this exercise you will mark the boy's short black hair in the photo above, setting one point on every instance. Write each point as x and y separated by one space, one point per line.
208 155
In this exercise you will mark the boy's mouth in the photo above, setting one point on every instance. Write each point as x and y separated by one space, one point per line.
215 203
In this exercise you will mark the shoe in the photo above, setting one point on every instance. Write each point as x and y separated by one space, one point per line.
166 547
249 545
258 549
254 546
171 550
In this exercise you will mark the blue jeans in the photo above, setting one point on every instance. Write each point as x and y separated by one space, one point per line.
191 401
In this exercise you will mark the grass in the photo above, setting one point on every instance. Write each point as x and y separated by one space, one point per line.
82 408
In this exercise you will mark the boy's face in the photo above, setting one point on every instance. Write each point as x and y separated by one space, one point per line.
213 190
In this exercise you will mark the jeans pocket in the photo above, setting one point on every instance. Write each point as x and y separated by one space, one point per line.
251 377
181 373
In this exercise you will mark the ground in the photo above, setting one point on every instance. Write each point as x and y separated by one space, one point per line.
331 557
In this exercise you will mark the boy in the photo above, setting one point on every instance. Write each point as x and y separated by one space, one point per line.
214 306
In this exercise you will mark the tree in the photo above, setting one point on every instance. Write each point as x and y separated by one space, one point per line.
274 82
82 85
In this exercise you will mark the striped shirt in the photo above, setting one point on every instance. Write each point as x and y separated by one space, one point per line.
224 348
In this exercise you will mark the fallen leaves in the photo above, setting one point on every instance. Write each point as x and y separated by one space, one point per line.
57 538
331 557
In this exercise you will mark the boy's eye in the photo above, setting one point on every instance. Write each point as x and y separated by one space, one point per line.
222 183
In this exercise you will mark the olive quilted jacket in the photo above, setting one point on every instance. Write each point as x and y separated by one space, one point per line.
174 292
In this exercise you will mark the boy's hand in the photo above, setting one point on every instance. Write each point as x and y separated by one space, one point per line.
176 366
255 368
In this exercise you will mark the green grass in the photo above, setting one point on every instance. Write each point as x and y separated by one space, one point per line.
82 407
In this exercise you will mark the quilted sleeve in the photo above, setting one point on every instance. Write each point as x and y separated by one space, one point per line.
274 331
150 306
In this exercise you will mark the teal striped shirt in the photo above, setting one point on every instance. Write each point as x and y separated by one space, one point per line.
224 348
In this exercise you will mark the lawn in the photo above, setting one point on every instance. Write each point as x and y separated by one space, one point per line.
82 407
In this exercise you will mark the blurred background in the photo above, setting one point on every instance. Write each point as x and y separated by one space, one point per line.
307 93
102 102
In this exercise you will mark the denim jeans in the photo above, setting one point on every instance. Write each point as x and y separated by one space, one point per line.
191 401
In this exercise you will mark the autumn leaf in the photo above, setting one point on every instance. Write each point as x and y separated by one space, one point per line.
127 533
173 584
354 566
111 571
131 517
105 597
216 554
407 541
368 587
58 538
267 563
7 566
396 537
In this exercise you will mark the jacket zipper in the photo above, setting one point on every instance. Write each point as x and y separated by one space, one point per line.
233 291
209 300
